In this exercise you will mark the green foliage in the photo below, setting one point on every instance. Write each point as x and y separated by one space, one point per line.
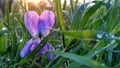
80 59
84 36
90 35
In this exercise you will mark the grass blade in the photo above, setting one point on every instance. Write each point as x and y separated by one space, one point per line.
90 35
80 59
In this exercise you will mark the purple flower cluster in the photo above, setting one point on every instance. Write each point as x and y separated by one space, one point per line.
38 27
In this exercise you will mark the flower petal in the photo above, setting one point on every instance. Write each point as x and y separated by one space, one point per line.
31 21
50 56
46 22
45 48
35 43
26 49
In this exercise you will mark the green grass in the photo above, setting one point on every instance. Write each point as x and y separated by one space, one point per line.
83 37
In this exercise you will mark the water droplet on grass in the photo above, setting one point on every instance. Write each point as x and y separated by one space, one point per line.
99 35
97 40
4 28
21 40
8 59
106 35
112 36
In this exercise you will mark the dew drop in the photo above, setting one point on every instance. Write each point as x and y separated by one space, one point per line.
60 45
106 35
4 28
96 52
97 40
99 35
114 46
21 40
8 59
112 36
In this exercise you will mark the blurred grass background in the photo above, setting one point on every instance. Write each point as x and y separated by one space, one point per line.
85 35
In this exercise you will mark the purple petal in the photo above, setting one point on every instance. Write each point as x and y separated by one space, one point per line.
50 56
35 44
46 22
45 48
31 22
26 49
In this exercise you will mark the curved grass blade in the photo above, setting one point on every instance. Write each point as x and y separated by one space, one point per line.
100 21
77 16
71 4
89 13
80 59
74 65
68 15
97 23
100 47
90 35
116 29
113 16
76 20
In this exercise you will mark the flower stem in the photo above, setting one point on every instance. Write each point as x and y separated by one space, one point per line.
59 14
60 17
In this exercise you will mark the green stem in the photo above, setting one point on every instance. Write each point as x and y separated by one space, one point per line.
64 5
60 17
72 9
59 14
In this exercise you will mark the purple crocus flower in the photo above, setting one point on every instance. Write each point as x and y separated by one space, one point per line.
38 27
